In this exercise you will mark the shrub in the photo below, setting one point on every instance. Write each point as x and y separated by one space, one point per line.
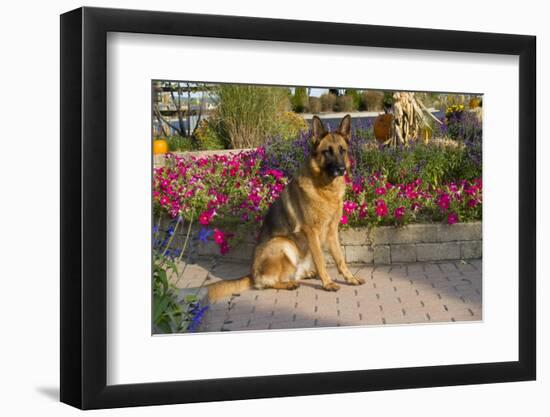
314 105
388 99
289 126
328 101
180 144
300 101
249 113
453 120
208 135
354 94
372 100
344 104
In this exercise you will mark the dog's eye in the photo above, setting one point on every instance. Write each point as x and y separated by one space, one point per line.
342 150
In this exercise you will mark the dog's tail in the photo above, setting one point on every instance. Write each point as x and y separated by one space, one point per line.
222 289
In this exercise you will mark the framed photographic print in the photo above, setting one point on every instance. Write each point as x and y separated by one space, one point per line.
256 208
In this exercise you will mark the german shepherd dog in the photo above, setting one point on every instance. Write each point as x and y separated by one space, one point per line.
302 219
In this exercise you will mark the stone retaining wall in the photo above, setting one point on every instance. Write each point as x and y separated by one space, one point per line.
384 244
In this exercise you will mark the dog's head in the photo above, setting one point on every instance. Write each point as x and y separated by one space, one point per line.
329 155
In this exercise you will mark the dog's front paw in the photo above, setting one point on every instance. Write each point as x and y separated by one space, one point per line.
355 281
331 286
293 285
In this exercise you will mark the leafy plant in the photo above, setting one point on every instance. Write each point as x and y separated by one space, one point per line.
170 314
248 114
180 144
300 102
209 135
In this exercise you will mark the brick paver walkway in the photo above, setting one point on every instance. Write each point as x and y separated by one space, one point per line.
392 294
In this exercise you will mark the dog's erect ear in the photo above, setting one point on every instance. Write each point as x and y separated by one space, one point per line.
345 127
317 130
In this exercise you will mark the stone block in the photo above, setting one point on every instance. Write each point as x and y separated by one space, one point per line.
403 253
382 255
459 232
437 251
359 254
472 249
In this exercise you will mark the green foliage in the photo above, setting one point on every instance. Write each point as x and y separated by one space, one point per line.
289 126
209 135
388 99
180 144
356 98
300 102
170 314
435 163
167 312
248 114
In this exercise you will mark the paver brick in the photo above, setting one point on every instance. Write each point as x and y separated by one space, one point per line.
392 294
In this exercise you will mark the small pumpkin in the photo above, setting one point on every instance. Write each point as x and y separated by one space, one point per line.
160 146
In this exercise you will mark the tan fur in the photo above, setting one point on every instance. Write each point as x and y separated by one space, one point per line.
223 289
302 221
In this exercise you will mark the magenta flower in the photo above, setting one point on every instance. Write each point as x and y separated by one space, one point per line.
357 185
219 236
444 201
344 219
452 218
275 173
380 191
380 208
224 248
349 206
206 217
363 211
399 212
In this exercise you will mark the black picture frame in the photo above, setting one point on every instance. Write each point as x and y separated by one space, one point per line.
84 207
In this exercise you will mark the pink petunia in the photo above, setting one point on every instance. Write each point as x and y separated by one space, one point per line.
344 219
349 206
206 217
363 211
219 236
399 212
452 218
444 201
380 208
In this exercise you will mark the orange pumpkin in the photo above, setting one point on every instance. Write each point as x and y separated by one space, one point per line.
160 146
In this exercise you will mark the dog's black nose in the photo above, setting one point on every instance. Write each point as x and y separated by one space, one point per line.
338 171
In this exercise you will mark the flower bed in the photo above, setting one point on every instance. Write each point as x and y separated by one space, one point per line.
228 194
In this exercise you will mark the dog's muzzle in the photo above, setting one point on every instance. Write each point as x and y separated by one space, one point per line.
338 171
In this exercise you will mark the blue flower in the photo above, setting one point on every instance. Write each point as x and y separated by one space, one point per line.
204 234
198 313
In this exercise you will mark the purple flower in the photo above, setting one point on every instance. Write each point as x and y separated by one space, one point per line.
204 234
